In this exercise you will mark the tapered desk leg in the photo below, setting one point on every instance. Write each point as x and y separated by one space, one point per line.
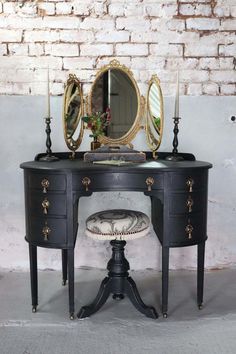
71 282
64 257
200 273
33 276
165 280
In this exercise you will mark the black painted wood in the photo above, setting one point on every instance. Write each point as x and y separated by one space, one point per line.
169 196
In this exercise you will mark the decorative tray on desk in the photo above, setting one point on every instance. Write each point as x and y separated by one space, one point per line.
120 152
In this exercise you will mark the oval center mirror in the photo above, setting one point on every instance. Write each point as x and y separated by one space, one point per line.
116 91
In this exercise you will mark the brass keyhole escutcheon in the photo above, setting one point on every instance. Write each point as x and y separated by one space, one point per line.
189 204
86 182
45 184
149 183
189 230
46 231
190 183
45 205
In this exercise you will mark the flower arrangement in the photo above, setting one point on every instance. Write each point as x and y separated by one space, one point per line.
98 122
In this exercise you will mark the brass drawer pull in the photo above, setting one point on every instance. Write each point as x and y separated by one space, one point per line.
189 230
190 183
149 183
45 205
189 204
45 184
46 231
86 182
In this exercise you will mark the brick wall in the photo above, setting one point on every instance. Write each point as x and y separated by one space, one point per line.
149 36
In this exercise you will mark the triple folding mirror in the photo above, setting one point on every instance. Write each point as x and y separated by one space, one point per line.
116 90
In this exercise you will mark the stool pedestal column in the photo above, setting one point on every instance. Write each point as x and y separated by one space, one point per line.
119 283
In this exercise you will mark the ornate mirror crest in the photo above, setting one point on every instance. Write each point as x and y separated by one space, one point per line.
73 111
115 89
154 114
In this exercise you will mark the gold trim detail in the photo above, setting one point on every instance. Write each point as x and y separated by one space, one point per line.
45 184
153 132
190 183
86 182
45 205
46 231
149 182
129 136
189 230
189 203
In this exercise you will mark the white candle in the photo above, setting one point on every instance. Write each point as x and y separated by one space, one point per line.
48 96
177 96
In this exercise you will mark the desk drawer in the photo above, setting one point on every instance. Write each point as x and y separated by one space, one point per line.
47 231
187 230
188 182
47 182
47 204
187 203
117 181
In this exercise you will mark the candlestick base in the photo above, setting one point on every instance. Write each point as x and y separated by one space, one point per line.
49 158
174 158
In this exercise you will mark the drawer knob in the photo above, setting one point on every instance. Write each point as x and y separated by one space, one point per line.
46 231
189 230
45 184
149 183
190 183
86 182
45 205
189 204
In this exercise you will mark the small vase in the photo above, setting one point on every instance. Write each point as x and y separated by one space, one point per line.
95 144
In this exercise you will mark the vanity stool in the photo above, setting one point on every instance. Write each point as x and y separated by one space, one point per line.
117 226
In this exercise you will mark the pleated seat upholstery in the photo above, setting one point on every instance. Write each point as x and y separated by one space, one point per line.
117 224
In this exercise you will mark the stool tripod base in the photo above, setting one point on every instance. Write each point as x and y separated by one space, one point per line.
118 283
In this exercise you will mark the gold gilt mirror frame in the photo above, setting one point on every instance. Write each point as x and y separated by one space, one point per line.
73 111
128 136
154 114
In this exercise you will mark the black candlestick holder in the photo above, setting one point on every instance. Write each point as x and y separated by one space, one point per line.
48 157
174 156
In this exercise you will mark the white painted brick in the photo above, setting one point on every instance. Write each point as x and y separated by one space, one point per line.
86 75
28 9
168 10
36 49
153 10
63 22
210 89
194 76
41 36
132 9
195 1
9 7
7 35
150 62
18 49
62 50
194 89
6 88
201 49
203 24
229 49
101 61
78 63
166 49
116 9
176 25
221 11
195 10
144 37
112 36
181 63
159 24
57 88
226 76
46 8
9 62
163 9
76 36
226 63
100 9
133 23
209 63
16 22
1 8
233 11
96 49
228 25
228 89
95 23
81 9
131 49
3 49
63 8
175 37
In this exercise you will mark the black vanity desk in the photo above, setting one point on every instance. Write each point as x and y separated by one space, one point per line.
178 193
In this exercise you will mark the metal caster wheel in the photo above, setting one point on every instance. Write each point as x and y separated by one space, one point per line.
165 315
34 309
72 316
200 306
63 282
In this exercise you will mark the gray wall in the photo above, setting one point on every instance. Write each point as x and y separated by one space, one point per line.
205 130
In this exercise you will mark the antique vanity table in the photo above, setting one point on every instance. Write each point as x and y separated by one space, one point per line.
177 189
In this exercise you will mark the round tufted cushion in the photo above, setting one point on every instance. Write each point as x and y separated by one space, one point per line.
119 224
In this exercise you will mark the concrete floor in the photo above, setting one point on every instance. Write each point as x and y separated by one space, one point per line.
118 327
